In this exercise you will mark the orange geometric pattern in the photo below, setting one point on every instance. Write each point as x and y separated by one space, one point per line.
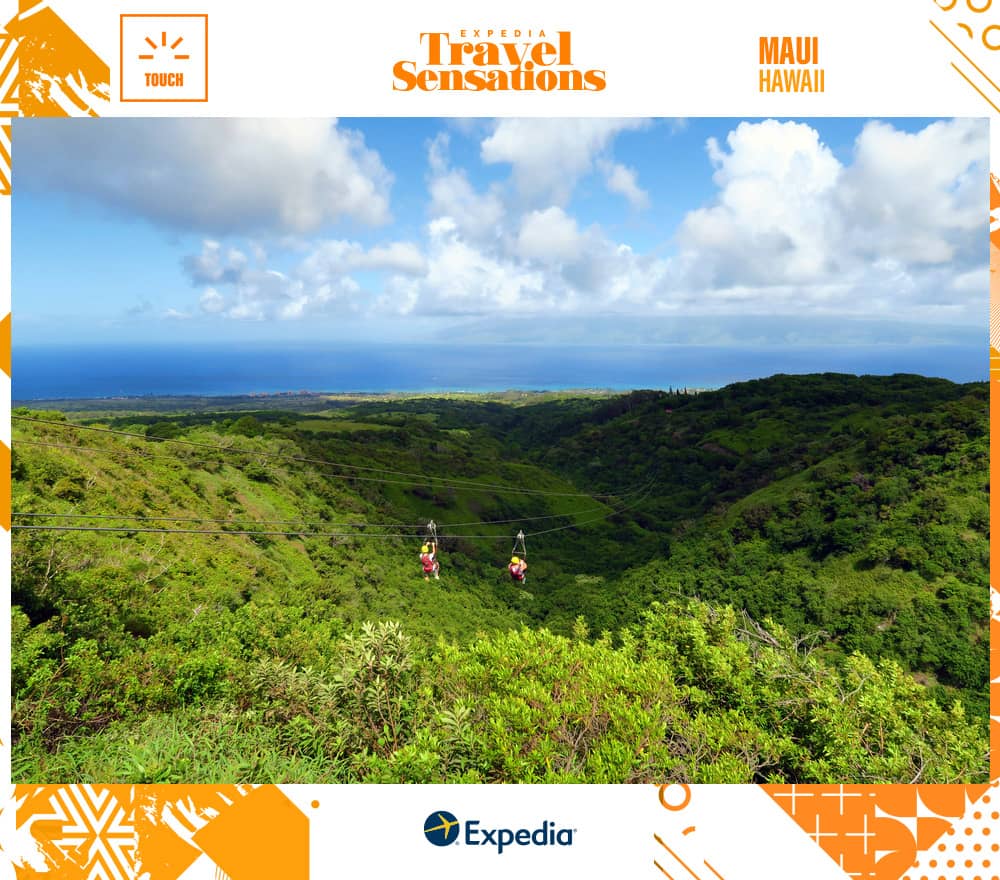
970 850
58 73
994 475
121 832
972 30
875 831
82 831
242 840
8 104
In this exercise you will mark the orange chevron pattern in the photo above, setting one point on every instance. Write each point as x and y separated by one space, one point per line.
8 104
122 832
83 831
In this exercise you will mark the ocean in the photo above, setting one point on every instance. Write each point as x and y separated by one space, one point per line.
46 372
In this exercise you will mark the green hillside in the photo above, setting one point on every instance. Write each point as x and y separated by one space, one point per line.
785 579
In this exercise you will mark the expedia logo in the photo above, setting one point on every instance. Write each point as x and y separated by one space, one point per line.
442 828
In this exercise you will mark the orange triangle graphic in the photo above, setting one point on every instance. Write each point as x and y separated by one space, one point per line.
875 830
261 835
5 344
58 73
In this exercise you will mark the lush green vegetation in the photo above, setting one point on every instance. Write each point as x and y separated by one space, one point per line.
787 581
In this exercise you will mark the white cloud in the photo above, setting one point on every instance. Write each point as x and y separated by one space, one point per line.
772 221
975 281
335 258
624 181
549 236
793 223
462 278
478 214
211 301
399 297
550 155
214 265
916 196
221 176
892 232
319 284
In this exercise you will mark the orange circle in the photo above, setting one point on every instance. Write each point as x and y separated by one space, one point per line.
995 847
993 815
941 847
992 27
675 807
973 8
968 831
986 863
946 8
314 804
986 831
978 815
932 863
968 863
951 863
960 847
978 847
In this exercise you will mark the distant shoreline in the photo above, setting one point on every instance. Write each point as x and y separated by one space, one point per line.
309 400
186 373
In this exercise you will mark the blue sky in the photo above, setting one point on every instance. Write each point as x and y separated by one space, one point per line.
669 230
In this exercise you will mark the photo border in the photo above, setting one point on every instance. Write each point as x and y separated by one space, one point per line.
883 831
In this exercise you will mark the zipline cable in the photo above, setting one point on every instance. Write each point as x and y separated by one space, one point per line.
595 519
443 481
294 522
296 533
293 534
450 483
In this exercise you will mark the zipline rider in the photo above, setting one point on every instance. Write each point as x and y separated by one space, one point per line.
428 558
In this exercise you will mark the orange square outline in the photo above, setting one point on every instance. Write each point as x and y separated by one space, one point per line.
121 58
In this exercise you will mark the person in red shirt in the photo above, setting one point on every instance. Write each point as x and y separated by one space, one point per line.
517 568
428 558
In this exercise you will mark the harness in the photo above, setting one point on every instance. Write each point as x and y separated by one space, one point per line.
428 561
516 570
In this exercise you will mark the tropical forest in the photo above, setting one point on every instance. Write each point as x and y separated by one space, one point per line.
782 580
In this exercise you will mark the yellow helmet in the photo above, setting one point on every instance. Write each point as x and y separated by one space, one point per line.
425 549
514 560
